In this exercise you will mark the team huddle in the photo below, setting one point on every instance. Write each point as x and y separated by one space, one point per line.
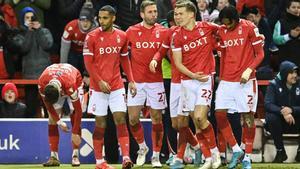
139 51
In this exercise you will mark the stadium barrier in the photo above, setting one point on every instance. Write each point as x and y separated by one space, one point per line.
26 141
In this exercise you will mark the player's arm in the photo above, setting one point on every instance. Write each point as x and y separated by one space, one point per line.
77 112
51 110
126 65
64 50
257 41
88 54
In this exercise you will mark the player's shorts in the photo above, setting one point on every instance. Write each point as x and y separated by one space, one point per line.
99 102
61 100
174 99
241 98
152 93
194 92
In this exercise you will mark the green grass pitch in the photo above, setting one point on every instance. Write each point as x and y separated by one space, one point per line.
118 166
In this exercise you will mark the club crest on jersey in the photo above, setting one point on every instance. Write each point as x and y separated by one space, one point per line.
101 38
185 37
201 32
157 34
118 39
70 28
240 30
139 33
75 34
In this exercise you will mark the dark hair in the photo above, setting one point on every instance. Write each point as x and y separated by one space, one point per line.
111 10
51 94
146 3
246 11
288 4
229 12
188 5
170 16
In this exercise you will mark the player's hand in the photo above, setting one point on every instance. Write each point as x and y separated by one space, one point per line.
246 75
289 119
76 139
286 110
63 126
200 77
153 65
104 87
132 88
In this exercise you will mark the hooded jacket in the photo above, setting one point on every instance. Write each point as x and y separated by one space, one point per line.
279 95
36 43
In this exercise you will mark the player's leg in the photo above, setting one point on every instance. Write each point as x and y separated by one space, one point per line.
156 99
98 105
118 108
249 135
224 101
135 105
53 138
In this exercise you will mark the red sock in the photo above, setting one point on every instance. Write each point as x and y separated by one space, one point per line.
74 145
53 136
137 132
98 141
203 145
209 134
249 138
190 137
123 139
181 142
225 128
221 142
157 136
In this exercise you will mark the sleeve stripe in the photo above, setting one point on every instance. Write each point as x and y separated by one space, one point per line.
124 54
91 54
257 42
67 41
176 49
165 46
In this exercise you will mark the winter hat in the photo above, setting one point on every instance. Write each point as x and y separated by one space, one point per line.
26 10
9 86
86 13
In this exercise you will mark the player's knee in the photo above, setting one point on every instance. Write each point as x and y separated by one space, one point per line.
133 121
175 126
119 120
100 122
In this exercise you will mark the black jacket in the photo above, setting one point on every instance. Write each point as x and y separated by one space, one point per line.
279 95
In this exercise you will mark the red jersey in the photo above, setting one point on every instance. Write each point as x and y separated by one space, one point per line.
144 43
243 48
105 51
72 34
175 74
68 76
196 47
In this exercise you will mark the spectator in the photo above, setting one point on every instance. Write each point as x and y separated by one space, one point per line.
203 9
282 104
10 107
253 15
8 14
38 5
6 60
215 13
286 33
35 58
251 3
274 10
73 39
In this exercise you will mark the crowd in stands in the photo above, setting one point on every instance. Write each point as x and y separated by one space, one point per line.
36 33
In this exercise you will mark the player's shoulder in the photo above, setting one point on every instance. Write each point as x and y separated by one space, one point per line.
246 23
71 25
120 32
93 33
135 27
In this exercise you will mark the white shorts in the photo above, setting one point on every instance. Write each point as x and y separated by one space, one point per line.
174 99
152 93
99 102
241 98
61 100
194 92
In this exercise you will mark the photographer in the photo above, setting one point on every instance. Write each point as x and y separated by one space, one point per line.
35 56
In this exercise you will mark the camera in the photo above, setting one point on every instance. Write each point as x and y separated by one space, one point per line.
34 18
